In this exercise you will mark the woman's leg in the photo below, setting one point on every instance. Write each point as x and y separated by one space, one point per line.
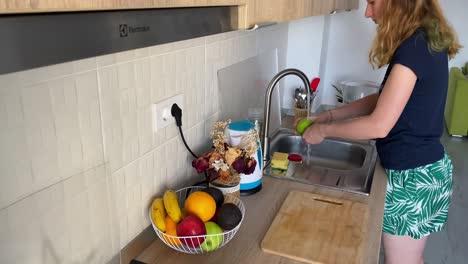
403 249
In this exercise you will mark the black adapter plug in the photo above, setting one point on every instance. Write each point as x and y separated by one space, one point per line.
176 112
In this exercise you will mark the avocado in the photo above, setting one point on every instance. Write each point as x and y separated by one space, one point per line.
217 195
228 216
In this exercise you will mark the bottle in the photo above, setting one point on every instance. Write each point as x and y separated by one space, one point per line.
251 183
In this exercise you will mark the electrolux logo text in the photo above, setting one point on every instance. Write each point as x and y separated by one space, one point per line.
125 30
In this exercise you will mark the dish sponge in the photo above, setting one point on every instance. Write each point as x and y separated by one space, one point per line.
280 161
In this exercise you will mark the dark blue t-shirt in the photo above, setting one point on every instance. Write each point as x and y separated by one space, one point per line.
415 139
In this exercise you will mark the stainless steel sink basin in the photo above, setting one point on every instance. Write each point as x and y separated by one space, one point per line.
344 165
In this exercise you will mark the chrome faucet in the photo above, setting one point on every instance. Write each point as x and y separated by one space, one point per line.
271 86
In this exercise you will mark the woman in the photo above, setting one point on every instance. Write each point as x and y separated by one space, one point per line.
415 41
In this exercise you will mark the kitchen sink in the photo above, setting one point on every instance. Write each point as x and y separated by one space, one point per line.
335 163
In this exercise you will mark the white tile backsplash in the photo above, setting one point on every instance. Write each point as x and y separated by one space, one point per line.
120 205
145 129
15 163
172 131
125 56
89 119
112 123
4 236
156 79
44 73
126 76
171 163
40 135
64 100
131 147
142 82
84 65
175 46
79 161
160 169
53 227
101 220
105 60
147 174
24 232
169 75
77 214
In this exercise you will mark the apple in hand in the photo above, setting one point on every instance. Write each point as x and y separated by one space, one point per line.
191 226
212 242
302 125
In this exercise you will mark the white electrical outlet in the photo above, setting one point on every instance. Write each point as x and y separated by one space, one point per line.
162 116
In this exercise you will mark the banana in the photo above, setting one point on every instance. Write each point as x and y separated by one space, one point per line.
171 204
158 213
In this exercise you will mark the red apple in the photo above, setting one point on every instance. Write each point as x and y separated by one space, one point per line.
191 226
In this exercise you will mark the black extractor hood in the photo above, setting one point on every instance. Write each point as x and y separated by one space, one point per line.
30 41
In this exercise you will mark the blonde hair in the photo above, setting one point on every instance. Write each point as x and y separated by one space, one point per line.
401 18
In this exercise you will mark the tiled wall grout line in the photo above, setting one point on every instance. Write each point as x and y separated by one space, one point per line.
44 81
49 186
99 83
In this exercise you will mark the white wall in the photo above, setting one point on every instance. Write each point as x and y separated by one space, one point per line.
305 38
456 13
348 37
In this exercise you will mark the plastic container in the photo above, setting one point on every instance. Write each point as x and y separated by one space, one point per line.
256 117
175 243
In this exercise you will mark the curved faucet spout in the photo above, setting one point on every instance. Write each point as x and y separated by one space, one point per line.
269 93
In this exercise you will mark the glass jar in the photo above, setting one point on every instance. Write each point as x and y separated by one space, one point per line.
231 186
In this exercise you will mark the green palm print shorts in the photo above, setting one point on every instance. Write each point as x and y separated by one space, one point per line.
417 200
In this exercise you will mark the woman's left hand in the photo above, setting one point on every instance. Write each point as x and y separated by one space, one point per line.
314 134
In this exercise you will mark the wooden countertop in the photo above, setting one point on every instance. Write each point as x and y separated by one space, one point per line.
261 209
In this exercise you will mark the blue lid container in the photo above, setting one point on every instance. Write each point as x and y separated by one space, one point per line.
242 125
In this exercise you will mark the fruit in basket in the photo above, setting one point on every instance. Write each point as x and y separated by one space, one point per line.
228 216
200 204
217 195
183 212
191 226
171 203
171 229
214 237
158 214
302 125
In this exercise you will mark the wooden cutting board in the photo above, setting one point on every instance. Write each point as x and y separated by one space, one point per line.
315 229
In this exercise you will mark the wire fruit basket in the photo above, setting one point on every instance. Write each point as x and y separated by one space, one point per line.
194 244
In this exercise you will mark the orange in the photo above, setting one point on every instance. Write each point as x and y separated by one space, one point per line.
171 230
200 204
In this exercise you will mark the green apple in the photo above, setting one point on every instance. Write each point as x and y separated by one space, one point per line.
302 125
214 236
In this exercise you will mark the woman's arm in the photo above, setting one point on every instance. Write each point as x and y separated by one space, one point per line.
361 107
390 105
